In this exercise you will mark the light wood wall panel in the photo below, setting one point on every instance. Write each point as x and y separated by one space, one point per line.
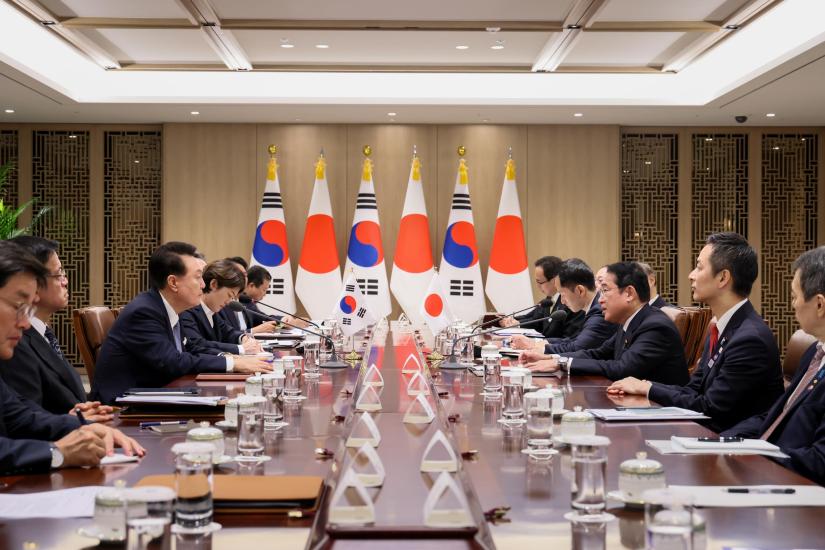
574 194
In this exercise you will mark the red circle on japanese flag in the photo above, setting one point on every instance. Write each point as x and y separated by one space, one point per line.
433 305
318 252
508 255
412 249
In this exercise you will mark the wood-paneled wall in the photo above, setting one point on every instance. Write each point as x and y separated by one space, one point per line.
568 180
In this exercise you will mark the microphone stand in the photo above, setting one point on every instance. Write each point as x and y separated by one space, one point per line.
500 317
279 310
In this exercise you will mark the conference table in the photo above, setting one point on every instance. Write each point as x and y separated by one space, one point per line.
493 472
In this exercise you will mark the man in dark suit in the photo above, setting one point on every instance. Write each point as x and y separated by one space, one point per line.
257 281
546 271
33 440
655 299
739 374
577 287
144 348
796 421
38 370
646 342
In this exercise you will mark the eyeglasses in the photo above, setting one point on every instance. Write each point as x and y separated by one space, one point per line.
24 310
61 274
542 282
607 290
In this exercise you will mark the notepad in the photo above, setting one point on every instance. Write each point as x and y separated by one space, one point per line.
692 443
207 401
118 458
77 502
646 414
668 447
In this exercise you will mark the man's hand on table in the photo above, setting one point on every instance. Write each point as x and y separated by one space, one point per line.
247 364
629 386
88 444
93 411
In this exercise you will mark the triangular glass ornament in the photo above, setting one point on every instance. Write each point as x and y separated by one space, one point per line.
364 431
446 504
350 503
367 466
373 377
419 411
439 455
418 385
368 399
411 364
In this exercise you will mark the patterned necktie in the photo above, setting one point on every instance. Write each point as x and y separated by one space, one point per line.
52 339
176 332
813 368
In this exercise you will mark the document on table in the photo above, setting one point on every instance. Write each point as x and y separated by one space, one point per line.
118 458
747 447
643 414
78 502
758 496
513 331
209 400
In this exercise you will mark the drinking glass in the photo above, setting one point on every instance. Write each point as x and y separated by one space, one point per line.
148 515
668 519
325 353
193 484
312 351
513 408
467 347
491 414
492 375
250 435
589 465
292 380
538 407
274 408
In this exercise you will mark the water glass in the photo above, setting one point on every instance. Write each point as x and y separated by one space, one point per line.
513 408
538 407
148 515
668 519
274 408
110 514
292 380
467 349
325 353
588 536
491 413
250 434
312 357
193 484
589 465
492 375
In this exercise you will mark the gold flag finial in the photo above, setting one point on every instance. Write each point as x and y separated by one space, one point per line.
366 173
273 149
462 150
463 176
367 150
320 166
510 171
416 169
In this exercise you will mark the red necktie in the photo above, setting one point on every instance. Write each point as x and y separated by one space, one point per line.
714 338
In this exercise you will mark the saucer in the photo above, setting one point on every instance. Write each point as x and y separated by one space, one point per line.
93 532
241 458
621 496
223 460
205 530
224 425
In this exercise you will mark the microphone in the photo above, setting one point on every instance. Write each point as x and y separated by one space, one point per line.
333 362
285 313
452 363
547 302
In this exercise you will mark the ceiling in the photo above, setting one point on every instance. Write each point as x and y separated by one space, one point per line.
630 62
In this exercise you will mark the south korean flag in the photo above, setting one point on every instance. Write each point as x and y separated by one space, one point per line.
351 309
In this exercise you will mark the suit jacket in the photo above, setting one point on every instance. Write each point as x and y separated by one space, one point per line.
594 332
650 349
801 435
660 302
571 326
201 335
140 351
744 380
25 432
37 373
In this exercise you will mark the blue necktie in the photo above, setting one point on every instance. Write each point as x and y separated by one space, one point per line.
176 333
52 339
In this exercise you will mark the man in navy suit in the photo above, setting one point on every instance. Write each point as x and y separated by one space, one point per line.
646 342
33 440
577 287
38 370
144 348
739 374
796 421
655 299
546 270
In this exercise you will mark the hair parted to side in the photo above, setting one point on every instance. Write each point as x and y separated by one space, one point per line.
574 272
811 267
15 259
549 265
167 259
225 273
631 274
732 251
258 275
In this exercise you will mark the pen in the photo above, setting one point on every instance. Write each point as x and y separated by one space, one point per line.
761 491
726 439
80 417
635 408
165 423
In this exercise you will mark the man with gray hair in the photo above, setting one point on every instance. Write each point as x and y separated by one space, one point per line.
655 299
796 422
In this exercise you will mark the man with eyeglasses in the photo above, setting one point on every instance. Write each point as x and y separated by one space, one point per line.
546 271
38 370
31 439
645 343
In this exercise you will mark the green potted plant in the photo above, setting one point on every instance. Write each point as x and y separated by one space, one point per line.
9 225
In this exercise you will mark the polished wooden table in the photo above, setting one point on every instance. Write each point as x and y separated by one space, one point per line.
500 475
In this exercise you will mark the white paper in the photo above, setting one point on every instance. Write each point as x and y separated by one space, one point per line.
341 512
692 443
646 414
415 367
441 517
718 496
78 502
437 465
666 447
118 458
371 479
373 376
210 400
365 423
419 411
512 331
418 385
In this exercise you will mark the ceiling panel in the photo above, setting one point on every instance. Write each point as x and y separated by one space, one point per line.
155 45
115 8
622 48
666 10
391 47
550 10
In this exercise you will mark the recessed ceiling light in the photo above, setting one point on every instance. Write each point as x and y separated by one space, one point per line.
732 27
770 115
648 162
462 47
391 114
72 136
297 120
195 113
574 27
137 161
485 120
578 115
497 47
708 139
287 45
776 148
9 111
493 29
322 46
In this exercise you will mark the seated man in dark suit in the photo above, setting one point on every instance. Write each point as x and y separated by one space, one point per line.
796 421
655 299
33 440
546 271
257 281
645 344
144 348
203 328
739 374
577 287
38 370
